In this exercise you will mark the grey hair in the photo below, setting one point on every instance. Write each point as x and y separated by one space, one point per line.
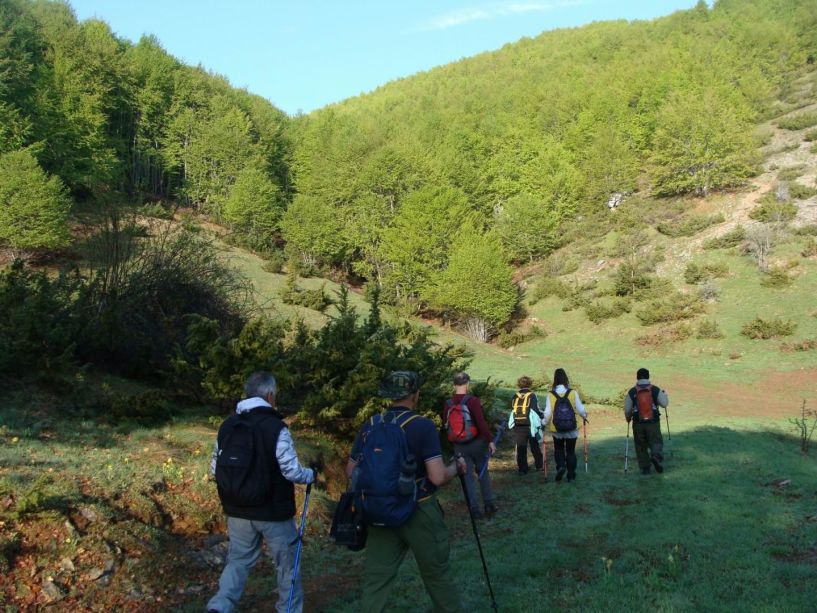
260 384
461 378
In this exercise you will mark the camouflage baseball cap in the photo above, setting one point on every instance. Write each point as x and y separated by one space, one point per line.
399 384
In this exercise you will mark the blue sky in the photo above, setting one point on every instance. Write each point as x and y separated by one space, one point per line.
304 54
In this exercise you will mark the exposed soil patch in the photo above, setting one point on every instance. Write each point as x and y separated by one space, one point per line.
610 498
809 556
772 394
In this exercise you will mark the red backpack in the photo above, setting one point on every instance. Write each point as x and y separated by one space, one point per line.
645 403
459 425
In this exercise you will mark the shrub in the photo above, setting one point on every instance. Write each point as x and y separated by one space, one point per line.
145 408
709 291
671 308
799 121
771 211
330 375
40 323
599 311
156 210
138 301
549 286
506 340
559 265
810 248
791 173
315 299
776 278
673 334
725 241
760 328
696 273
274 262
804 345
807 230
798 191
708 329
690 225
629 279
813 148
810 135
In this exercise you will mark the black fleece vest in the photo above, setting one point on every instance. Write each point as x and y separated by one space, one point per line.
280 504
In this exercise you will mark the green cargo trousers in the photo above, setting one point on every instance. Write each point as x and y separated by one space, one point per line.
426 535
648 443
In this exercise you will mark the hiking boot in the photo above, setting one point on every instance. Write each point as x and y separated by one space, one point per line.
658 466
560 473
521 472
645 470
476 514
490 509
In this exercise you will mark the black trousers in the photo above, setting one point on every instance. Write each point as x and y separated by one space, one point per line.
523 439
564 452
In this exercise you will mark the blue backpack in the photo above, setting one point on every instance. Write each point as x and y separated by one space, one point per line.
385 483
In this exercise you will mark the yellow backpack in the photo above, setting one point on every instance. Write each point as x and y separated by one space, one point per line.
521 409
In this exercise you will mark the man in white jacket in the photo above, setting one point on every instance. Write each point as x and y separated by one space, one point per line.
255 466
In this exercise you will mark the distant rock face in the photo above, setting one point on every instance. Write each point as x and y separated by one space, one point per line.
615 200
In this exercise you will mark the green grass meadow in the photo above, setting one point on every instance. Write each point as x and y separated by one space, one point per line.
715 532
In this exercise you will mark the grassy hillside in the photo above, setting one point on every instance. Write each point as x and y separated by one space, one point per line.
709 374
94 518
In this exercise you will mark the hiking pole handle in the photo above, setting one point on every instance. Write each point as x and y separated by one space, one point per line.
298 548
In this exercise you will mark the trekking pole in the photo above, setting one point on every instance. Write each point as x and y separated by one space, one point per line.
545 455
627 448
488 455
479 544
585 445
298 549
669 434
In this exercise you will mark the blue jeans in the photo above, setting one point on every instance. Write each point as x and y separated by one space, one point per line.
245 549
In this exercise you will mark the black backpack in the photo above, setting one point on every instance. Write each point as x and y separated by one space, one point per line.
564 417
243 477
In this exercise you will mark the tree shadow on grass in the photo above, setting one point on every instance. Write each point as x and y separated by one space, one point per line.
729 526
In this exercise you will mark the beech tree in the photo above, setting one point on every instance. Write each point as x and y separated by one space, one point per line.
33 206
477 286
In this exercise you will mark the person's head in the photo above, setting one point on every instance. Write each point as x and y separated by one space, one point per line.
402 387
560 378
261 384
642 373
461 382
524 382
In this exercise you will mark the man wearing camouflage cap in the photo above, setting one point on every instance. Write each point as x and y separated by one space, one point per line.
424 532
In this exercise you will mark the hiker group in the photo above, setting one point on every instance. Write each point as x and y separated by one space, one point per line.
395 469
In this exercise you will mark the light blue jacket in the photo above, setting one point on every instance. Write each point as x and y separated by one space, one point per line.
535 424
